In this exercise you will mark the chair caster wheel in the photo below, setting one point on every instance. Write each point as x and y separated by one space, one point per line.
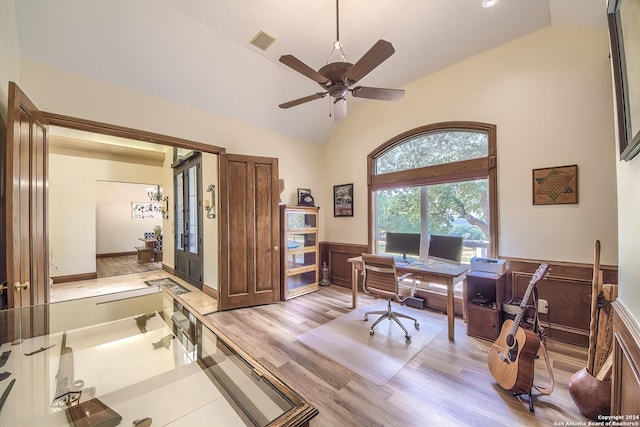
366 318
407 338
417 325
371 332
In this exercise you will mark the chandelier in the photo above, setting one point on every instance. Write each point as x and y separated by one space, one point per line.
155 193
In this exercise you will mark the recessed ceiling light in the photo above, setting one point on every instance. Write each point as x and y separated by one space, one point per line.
489 3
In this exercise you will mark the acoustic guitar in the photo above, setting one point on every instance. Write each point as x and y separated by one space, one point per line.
512 356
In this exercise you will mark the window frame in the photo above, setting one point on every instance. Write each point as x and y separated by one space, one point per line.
483 167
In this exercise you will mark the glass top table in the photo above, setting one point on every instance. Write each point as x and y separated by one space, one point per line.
136 358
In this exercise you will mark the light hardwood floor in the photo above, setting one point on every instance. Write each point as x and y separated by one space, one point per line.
446 384
123 264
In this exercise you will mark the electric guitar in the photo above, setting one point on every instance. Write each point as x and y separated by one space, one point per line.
512 357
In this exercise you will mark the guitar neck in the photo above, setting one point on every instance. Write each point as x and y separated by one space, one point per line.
523 308
539 274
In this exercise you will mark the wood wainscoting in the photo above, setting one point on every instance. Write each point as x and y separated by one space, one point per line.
336 256
567 289
625 387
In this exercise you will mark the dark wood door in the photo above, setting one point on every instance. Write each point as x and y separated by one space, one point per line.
26 202
187 178
249 231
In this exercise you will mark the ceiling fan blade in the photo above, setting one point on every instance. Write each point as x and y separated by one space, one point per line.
303 100
377 93
299 66
339 109
370 60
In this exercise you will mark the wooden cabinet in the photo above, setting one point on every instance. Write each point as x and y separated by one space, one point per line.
300 254
484 296
145 253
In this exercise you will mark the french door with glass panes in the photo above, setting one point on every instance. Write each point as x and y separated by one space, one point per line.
187 178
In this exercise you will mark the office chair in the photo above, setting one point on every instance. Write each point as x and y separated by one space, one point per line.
381 279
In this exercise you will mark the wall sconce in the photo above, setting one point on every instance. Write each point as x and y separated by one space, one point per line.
165 207
210 205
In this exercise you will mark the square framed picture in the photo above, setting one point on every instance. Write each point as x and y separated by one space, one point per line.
343 200
555 186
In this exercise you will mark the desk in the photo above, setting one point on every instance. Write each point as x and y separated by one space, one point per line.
425 271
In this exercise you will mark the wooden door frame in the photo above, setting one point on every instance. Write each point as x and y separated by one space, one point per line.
92 126
123 132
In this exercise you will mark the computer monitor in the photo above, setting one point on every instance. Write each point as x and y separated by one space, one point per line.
446 248
403 244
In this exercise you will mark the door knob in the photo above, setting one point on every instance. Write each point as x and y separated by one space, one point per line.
275 248
2 288
20 286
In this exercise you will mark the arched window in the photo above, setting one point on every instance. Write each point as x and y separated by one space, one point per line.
436 180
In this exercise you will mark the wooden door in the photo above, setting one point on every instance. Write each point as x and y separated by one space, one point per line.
249 231
26 202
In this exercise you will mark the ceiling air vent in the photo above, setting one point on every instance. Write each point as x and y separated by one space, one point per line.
262 40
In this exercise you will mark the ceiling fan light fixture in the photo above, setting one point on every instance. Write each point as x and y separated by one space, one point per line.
339 109
489 3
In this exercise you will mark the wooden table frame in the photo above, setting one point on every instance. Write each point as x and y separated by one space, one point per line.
426 271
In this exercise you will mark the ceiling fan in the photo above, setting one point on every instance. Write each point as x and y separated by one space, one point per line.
336 78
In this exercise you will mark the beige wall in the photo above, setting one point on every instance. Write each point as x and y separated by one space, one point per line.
72 207
629 235
210 225
116 229
549 94
9 52
65 93
168 225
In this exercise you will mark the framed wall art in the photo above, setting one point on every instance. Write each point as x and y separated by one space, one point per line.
146 210
556 185
624 34
343 200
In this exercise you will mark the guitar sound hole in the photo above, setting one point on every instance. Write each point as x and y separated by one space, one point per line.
509 340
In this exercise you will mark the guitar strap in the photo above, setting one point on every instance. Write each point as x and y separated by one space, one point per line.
548 389
543 347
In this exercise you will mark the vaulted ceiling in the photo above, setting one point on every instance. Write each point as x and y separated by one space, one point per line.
198 52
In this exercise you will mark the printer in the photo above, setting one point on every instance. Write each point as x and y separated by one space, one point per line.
488 265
